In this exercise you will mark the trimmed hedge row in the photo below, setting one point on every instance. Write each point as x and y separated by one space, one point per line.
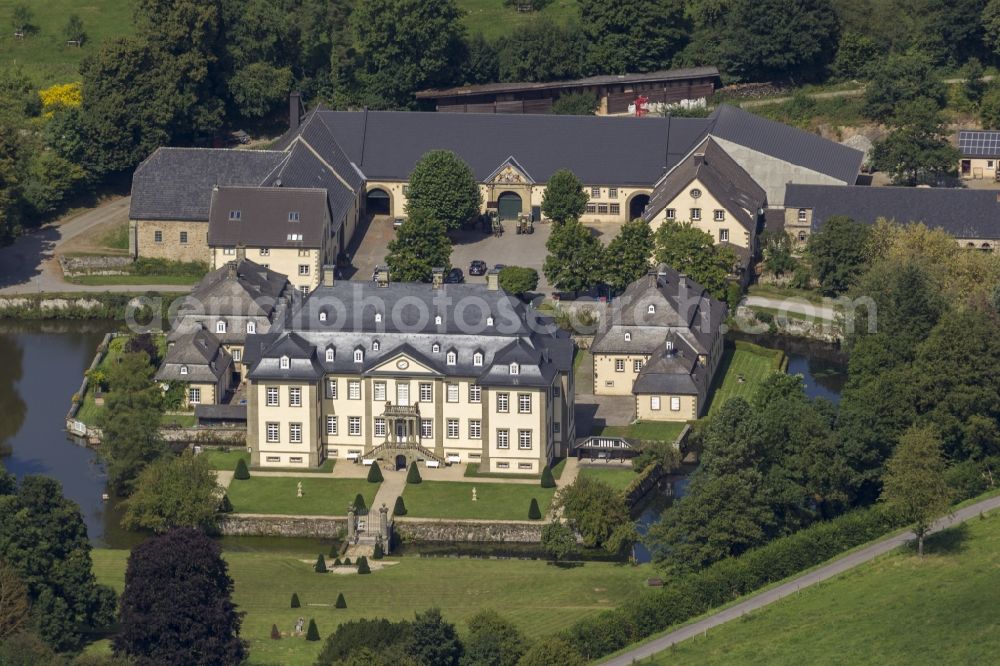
688 596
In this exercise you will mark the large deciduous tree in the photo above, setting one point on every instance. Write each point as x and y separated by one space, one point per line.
177 605
493 640
900 79
837 253
564 198
575 257
434 641
917 149
633 35
693 252
443 187
174 491
629 253
518 280
421 244
542 51
548 651
594 510
558 541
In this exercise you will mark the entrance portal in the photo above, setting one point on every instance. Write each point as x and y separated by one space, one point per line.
509 205
637 205
400 462
378 202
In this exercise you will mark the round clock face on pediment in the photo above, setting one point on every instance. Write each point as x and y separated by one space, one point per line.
695 193
402 364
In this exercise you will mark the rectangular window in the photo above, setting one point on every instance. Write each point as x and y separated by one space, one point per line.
229 251
237 354
304 253
303 269
602 209
503 465
379 426
526 466
524 439
452 429
719 215
379 391
272 433
475 429
295 460
184 238
619 365
654 402
595 193
636 366
426 392
475 393
556 392
591 209
274 459
331 425
293 216
264 251
675 404
406 190
354 426
802 214
615 209
294 396
452 392
503 402
612 192
353 390
695 214
503 438
426 428
194 396
234 215
295 433
523 403
723 235
556 427
304 289
272 396
157 236
671 213
331 389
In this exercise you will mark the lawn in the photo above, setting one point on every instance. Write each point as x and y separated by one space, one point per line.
748 361
658 431
774 291
472 471
225 460
494 501
44 54
107 280
539 598
320 497
897 610
613 475
493 19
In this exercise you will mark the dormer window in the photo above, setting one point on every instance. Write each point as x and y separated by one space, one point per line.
235 215
322 316
378 317
435 348
628 337
437 320
293 216
251 327
294 237
489 321
651 309
670 345
284 363
375 345
515 369
451 358
359 356
329 354
220 327
477 359
184 369
802 214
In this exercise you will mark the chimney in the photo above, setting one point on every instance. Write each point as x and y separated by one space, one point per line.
329 274
294 109
437 277
241 254
699 159
682 281
232 269
493 280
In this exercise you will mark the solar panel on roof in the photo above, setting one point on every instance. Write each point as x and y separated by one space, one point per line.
979 143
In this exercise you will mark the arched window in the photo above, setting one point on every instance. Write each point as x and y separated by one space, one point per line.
452 358
220 326
628 337
329 354
515 369
251 327
375 345
359 355
651 309
184 369
284 363
435 348
477 358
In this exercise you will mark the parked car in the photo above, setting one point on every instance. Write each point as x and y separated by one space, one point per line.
500 267
454 276
477 267
397 222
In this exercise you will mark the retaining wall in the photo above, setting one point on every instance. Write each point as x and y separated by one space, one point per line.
468 531
96 265
241 524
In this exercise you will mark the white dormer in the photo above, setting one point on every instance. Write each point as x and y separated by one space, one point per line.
322 316
452 358
184 369
435 348
651 309
515 369
489 321
359 355
284 363
378 317
220 326
477 358
670 345
376 345
329 354
628 337
437 320
251 327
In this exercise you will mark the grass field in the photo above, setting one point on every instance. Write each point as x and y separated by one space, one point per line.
44 54
320 497
108 280
225 460
753 366
774 291
472 470
665 431
539 598
616 477
494 501
897 610
493 19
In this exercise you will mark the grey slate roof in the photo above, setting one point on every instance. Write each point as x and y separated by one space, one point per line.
264 217
232 413
201 353
304 170
728 182
176 183
962 213
979 143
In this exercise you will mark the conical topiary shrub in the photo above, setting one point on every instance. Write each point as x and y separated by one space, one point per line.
547 480
379 551
359 503
334 550
241 473
312 633
320 566
336 562
399 509
295 600
533 512
346 562
375 474
363 567
341 602
413 475
225 506
275 634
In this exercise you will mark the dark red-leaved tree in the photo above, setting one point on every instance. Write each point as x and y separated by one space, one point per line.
177 606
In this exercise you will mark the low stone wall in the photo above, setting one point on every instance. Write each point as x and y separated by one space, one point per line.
245 524
643 483
468 531
96 265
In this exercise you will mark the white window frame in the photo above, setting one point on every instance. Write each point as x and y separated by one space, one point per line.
331 389
802 215
194 395
220 326
451 358
451 392
379 428
636 366
477 359
426 428
675 404
251 327
452 428
671 214
503 403
294 433
284 363
654 403
331 426
354 426
303 269
723 235
272 431
503 438
475 429
435 348
524 439
272 398
475 393
184 369
696 214
376 345
330 354
354 389
515 369
619 365
359 356
294 396
379 391
426 390
719 215
524 403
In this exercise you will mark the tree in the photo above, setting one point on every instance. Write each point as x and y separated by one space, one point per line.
857 55
375 474
74 30
917 150
518 280
492 641
434 641
693 252
359 503
991 25
575 104
174 491
973 87
564 198
837 253
26 648
548 651
534 513
413 474
575 257
369 638
633 35
363 567
547 480
379 551
483 65
902 78
320 566
341 602
275 634
241 473
989 107
630 250
443 187
558 541
593 509
399 508
542 50
295 600
22 18
312 633
778 257
421 245
14 607
914 484
259 89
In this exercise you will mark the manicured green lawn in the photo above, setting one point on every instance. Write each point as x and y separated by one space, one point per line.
325 468
659 431
102 280
614 476
897 610
44 54
225 460
540 599
320 497
493 19
472 470
752 365
494 501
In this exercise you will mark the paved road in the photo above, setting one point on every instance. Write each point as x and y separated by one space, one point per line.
791 587
790 305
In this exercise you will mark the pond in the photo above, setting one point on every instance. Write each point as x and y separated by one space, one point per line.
823 366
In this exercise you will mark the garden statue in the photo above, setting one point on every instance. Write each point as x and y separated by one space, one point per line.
299 491
473 493
301 622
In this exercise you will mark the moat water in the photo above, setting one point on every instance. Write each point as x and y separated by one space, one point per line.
42 364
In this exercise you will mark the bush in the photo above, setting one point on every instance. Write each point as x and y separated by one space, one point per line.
346 562
547 480
359 503
375 474
295 600
379 551
241 473
225 506
399 508
312 634
413 474
363 567
517 279
320 566
334 550
341 602
275 634
337 562
533 512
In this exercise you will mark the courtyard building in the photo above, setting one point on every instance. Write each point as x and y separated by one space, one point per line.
197 360
980 154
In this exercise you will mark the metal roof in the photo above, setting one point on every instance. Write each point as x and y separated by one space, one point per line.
979 143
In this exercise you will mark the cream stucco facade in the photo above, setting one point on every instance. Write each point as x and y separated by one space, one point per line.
303 266
696 204
978 168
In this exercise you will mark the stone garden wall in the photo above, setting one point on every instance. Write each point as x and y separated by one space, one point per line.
94 265
247 524
468 531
